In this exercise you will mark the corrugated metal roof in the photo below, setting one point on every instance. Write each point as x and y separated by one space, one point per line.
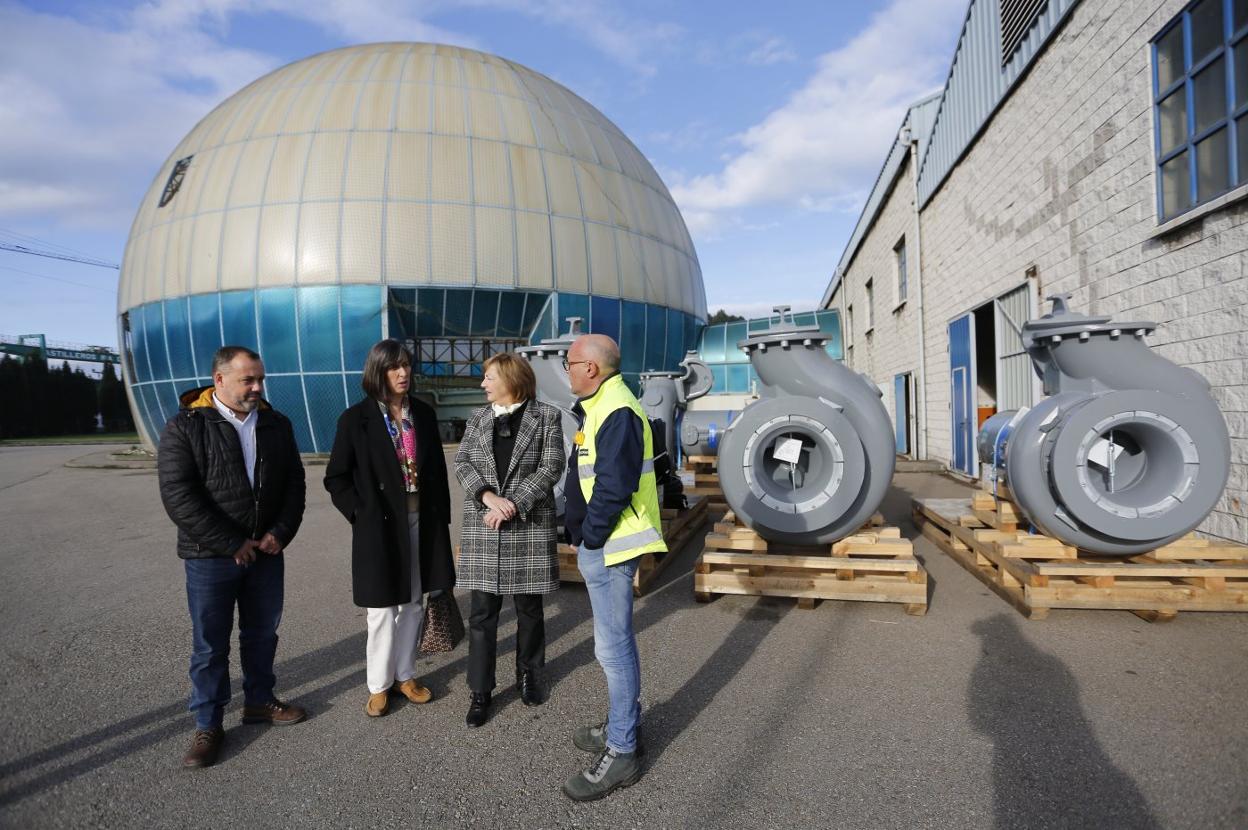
978 83
919 119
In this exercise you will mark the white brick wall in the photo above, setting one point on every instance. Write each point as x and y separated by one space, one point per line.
1062 179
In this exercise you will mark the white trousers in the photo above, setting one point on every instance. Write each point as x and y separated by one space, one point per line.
394 632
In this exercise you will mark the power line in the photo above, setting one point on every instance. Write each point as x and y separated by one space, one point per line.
56 279
22 249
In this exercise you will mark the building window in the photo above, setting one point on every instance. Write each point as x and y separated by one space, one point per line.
900 253
870 287
175 180
1200 100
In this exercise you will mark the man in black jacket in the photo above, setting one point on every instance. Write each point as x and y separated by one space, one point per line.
232 481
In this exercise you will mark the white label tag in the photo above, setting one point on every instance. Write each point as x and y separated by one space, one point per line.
686 478
1099 454
789 449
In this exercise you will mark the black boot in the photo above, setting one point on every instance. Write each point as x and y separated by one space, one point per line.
531 691
478 709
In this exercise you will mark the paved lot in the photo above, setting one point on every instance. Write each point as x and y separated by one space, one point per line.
756 714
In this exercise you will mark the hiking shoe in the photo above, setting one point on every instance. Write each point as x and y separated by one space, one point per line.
414 690
594 739
205 746
378 704
274 712
609 771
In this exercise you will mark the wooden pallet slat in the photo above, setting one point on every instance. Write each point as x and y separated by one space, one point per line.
678 527
872 565
1035 573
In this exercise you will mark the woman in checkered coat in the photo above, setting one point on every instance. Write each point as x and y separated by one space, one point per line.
508 463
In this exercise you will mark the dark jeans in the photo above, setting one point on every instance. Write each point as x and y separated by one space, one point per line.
483 636
213 587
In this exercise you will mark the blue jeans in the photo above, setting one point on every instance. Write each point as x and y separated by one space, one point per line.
213 587
615 644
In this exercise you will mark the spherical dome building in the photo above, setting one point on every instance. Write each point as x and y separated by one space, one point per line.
439 195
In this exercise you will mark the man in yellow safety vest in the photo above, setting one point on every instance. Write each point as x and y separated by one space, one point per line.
612 516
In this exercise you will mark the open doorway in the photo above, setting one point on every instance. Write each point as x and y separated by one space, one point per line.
985 363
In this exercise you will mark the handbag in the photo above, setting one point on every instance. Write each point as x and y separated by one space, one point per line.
444 625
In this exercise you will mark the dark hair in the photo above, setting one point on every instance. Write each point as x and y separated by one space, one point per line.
515 372
382 357
225 355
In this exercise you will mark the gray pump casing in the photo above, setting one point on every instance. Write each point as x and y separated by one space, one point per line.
664 396
847 453
701 430
553 387
1128 452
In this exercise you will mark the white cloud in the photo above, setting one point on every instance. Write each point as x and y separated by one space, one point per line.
771 51
762 309
822 148
90 107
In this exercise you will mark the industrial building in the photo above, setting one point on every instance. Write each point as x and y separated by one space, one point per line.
1095 148
439 195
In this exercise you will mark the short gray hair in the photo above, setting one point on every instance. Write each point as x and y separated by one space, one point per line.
225 355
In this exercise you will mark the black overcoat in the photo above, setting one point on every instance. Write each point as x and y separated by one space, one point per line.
364 480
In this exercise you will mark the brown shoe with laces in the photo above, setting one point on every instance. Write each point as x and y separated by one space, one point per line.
274 712
413 690
205 746
378 704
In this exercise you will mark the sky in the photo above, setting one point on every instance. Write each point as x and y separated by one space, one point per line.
769 122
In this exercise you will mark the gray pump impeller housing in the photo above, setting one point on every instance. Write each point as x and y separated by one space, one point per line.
1128 452
810 461
553 387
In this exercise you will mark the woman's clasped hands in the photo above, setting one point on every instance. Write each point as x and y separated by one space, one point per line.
500 510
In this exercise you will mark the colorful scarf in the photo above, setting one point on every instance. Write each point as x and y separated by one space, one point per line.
404 440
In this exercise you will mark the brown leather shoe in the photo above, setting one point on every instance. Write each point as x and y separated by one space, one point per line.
274 712
414 691
378 704
205 747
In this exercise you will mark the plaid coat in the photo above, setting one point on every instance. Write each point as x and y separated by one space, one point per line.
521 557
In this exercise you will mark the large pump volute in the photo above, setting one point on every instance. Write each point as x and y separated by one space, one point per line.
810 461
553 387
1128 452
664 396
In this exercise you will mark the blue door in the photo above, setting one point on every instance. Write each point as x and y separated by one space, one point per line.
901 413
961 365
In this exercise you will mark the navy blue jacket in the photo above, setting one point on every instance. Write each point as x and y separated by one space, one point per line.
617 472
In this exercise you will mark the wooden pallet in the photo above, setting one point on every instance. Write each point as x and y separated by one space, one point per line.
1036 573
873 565
705 470
678 527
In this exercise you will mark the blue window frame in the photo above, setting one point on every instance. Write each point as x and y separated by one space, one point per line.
1200 104
276 308
205 329
606 316
361 323
178 336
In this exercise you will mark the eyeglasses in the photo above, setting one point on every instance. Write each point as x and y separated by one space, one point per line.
568 364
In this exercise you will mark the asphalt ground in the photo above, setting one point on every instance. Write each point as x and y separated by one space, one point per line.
756 714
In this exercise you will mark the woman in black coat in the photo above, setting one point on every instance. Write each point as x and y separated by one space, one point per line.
387 476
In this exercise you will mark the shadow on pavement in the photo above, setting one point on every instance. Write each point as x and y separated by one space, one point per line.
142 731
1048 770
666 721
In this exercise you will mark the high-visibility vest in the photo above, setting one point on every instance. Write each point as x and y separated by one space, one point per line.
639 528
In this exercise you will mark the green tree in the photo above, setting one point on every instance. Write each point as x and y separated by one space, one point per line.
722 316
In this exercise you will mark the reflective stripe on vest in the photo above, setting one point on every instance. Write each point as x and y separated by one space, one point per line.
638 529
